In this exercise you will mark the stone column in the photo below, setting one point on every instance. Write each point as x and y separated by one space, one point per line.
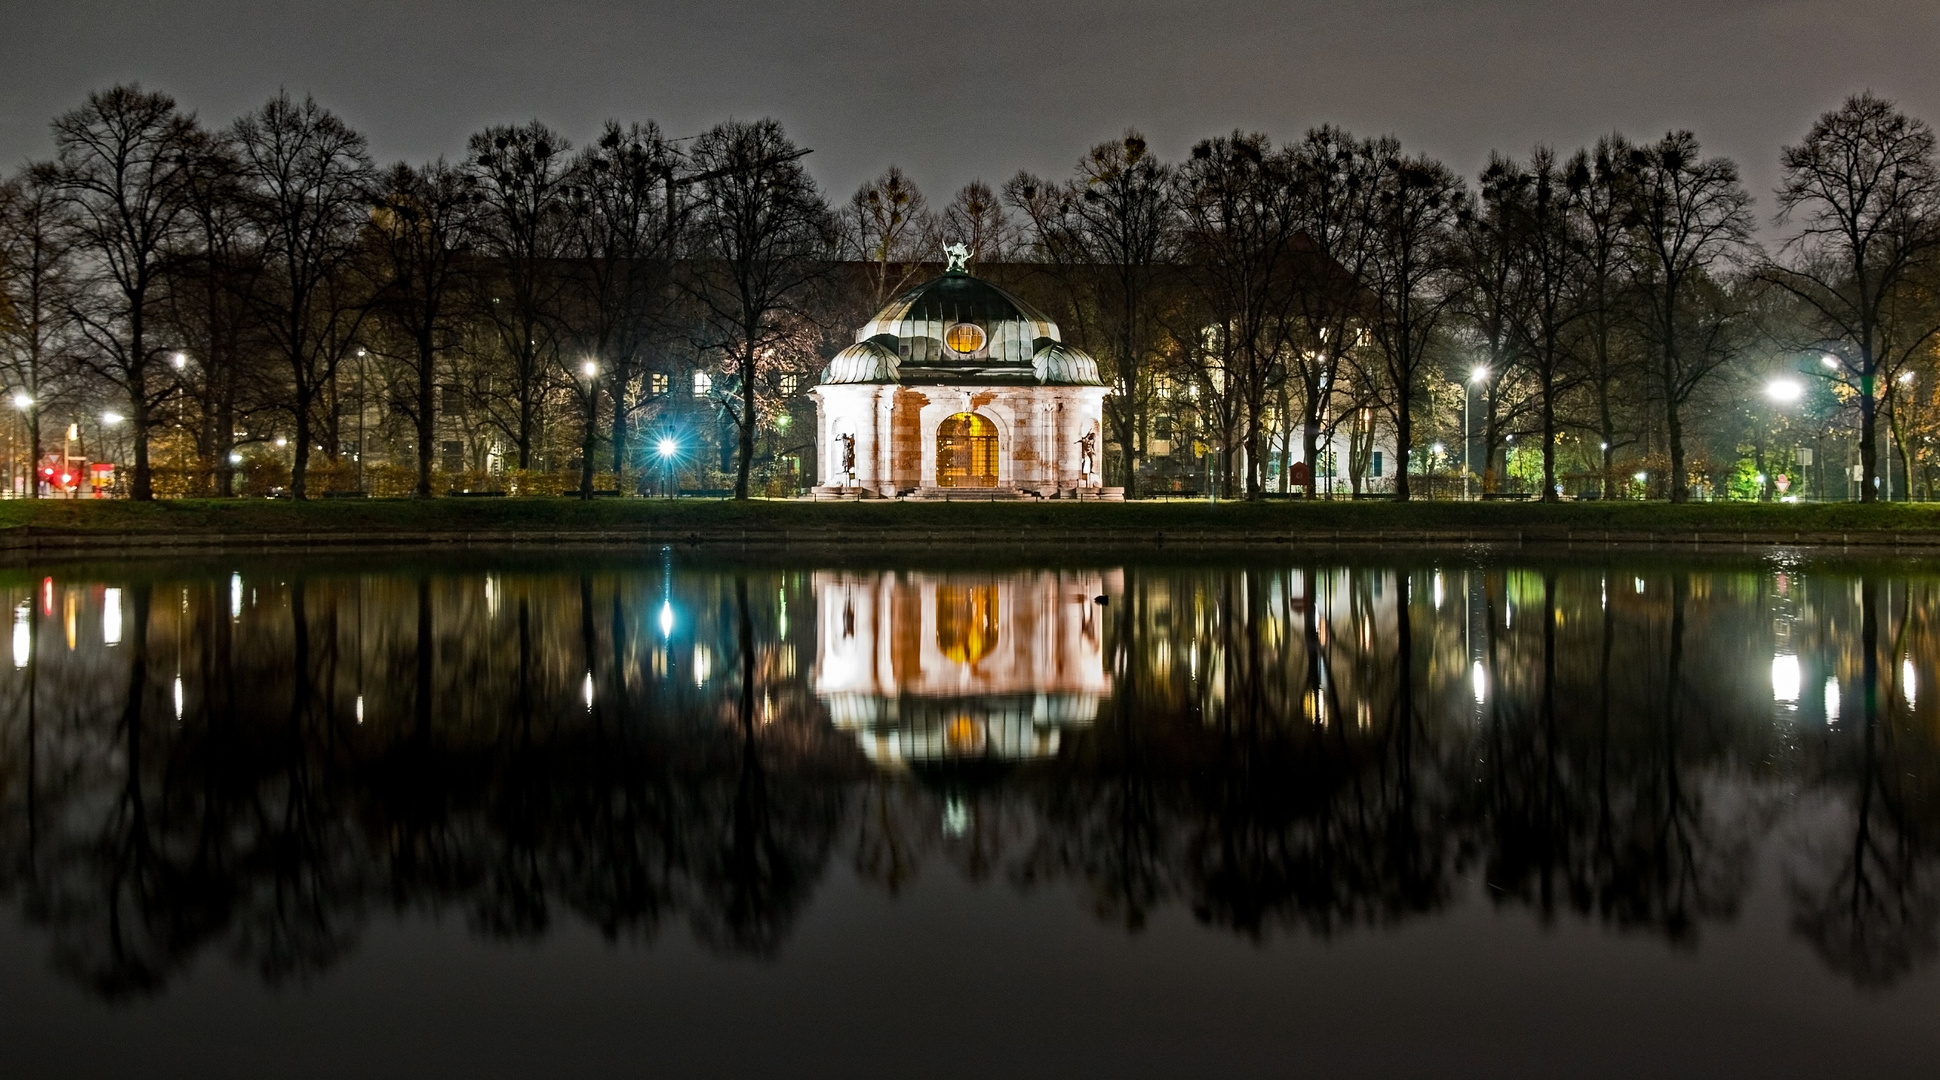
886 441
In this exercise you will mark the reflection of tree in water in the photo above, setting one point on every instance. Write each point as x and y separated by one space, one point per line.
1248 782
271 821
1608 815
1294 750
1864 888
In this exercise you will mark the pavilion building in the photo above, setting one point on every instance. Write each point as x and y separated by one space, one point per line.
959 389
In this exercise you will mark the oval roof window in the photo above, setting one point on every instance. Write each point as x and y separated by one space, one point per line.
964 338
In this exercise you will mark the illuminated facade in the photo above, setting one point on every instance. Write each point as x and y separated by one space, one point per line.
925 667
957 387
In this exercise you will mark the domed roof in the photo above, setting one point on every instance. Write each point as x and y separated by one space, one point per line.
959 329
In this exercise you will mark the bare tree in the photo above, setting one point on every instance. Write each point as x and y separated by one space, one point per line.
212 303
307 181
522 173
36 283
1547 266
889 223
624 217
1865 190
1490 291
1598 184
1687 215
1415 254
976 219
124 160
1236 200
425 221
1107 233
1335 184
761 238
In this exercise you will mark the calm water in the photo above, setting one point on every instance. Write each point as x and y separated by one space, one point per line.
665 816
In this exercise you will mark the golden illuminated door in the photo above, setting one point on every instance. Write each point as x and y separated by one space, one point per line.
966 452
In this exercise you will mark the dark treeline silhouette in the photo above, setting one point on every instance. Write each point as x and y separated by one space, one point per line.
259 306
258 765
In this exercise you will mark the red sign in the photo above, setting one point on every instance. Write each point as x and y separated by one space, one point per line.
1299 474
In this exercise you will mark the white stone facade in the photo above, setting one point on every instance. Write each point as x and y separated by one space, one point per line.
1041 436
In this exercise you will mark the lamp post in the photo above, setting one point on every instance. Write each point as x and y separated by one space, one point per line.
22 401
1784 391
667 449
1892 423
361 376
1479 375
591 370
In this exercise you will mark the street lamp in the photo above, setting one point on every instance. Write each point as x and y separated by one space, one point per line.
667 449
1479 375
1784 391
179 360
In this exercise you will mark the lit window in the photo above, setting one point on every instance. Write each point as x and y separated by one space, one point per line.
1162 385
964 338
789 384
657 383
703 384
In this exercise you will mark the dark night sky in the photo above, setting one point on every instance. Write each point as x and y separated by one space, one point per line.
960 90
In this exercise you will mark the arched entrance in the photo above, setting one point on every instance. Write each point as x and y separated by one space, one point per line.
966 452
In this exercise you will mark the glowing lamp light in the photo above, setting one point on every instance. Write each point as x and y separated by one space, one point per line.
1829 361
1785 679
1479 677
667 448
1480 374
1641 477
235 459
111 617
22 401
666 618
1906 376
281 441
591 369
111 418
179 360
1784 391
1435 449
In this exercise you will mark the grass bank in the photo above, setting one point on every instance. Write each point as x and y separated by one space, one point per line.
54 524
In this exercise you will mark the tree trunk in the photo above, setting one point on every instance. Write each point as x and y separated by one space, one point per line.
33 448
1404 434
301 463
1868 434
225 443
1310 450
427 417
1674 428
1255 408
1549 440
586 439
142 487
746 464
620 434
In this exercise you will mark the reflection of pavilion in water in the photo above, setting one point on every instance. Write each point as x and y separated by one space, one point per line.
929 667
